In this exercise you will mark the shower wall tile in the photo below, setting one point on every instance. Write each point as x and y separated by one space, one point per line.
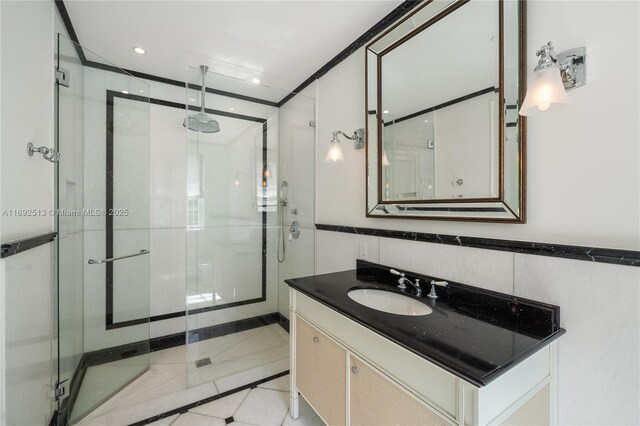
168 172
228 247
168 270
299 262
126 305
131 276
94 144
130 168
297 158
167 327
296 165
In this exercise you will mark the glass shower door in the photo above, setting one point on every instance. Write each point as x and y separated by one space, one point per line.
102 201
233 335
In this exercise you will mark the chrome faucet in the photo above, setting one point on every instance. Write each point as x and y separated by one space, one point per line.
402 280
432 294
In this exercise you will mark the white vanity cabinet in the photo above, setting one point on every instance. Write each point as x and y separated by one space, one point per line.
351 375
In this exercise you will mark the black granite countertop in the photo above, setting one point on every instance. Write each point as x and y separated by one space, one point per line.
474 333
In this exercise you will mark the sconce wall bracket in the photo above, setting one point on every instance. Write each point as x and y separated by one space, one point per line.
572 64
573 67
357 137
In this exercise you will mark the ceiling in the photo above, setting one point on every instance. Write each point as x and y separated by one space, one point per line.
282 43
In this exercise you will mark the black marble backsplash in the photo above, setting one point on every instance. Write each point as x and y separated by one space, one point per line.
591 254
530 317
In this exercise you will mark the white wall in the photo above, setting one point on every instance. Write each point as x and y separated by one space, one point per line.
583 189
582 162
26 279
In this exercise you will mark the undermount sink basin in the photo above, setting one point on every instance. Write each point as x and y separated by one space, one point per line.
387 301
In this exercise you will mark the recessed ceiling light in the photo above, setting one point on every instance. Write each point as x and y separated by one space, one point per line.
125 92
385 111
426 121
139 50
232 109
255 81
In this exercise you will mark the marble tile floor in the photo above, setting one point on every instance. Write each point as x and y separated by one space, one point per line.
171 382
264 405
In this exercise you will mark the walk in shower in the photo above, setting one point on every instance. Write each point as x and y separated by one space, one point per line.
169 286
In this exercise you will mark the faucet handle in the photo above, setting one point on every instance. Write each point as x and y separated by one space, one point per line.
394 272
432 294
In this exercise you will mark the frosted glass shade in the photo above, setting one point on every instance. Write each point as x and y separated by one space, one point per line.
334 155
546 91
385 159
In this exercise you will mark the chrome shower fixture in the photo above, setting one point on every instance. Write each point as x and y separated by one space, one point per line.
201 122
47 153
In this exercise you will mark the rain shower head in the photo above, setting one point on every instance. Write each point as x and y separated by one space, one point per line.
201 122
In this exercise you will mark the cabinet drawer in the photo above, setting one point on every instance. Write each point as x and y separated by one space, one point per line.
321 373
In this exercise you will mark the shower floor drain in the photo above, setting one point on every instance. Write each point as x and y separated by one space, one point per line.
202 362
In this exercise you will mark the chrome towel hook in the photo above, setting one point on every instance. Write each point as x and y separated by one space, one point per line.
47 153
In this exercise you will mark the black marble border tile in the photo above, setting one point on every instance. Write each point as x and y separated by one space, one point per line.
103 356
186 408
109 309
115 353
19 246
378 28
66 20
444 105
284 323
589 254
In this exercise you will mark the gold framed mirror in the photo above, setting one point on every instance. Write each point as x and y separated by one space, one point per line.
443 90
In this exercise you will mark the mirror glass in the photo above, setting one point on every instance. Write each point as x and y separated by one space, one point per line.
443 134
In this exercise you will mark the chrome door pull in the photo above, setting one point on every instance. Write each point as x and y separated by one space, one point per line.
113 259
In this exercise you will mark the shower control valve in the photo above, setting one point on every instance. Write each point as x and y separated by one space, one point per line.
294 230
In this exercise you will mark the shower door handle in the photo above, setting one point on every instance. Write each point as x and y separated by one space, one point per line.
113 259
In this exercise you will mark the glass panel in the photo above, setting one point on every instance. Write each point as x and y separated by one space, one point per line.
235 296
103 195
69 243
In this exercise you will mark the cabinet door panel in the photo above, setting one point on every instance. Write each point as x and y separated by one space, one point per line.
321 373
374 400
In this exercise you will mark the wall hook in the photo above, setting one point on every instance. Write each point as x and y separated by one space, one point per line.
47 153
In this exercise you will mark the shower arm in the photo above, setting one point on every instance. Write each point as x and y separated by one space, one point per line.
203 88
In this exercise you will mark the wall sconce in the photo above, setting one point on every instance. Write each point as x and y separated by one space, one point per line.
334 154
266 174
385 159
236 180
552 77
